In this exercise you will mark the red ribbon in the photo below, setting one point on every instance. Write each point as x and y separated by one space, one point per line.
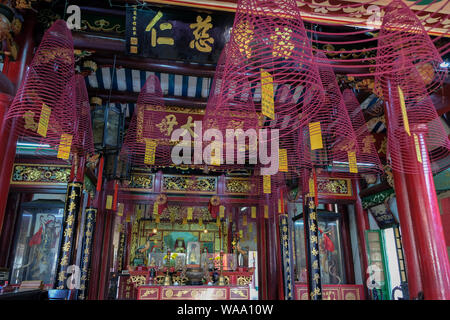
116 190
100 174
281 201
316 196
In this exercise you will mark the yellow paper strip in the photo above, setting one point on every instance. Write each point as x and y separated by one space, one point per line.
155 208
128 219
250 227
315 135
200 221
283 161
253 212
150 148
244 220
215 158
279 206
416 142
64 146
184 220
352 162
190 211
404 113
241 233
157 219
267 188
266 212
109 200
312 189
221 211
120 209
218 221
267 100
44 119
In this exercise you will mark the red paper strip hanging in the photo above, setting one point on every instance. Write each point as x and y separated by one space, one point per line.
116 190
100 173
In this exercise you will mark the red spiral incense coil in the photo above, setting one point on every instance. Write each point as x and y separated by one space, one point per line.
44 106
411 114
368 161
83 140
268 49
147 140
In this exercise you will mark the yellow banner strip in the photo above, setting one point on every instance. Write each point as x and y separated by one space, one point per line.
283 160
417 144
64 146
404 113
44 119
267 99
352 165
315 135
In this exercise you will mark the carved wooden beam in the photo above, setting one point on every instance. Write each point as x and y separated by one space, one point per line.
138 63
116 45
131 97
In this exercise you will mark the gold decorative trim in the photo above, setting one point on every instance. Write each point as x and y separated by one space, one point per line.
331 184
35 175
101 25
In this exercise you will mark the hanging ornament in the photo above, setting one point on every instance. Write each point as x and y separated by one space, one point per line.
214 206
161 200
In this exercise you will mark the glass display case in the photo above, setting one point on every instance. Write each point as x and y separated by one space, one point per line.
331 255
37 241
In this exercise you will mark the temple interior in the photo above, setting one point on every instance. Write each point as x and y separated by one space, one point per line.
225 150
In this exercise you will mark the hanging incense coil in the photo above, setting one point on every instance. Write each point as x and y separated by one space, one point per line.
411 113
83 141
147 141
44 106
327 140
402 35
367 158
268 49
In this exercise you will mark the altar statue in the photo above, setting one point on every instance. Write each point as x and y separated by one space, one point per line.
179 247
242 256
193 253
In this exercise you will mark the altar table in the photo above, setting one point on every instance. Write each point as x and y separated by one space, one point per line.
151 292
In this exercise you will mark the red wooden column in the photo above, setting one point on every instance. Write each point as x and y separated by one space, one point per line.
271 253
262 255
426 220
103 275
95 271
362 224
407 234
349 265
15 71
404 208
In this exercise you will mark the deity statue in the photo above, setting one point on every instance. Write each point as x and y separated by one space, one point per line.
179 247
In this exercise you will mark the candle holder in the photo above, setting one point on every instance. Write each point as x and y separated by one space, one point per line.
221 277
167 279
